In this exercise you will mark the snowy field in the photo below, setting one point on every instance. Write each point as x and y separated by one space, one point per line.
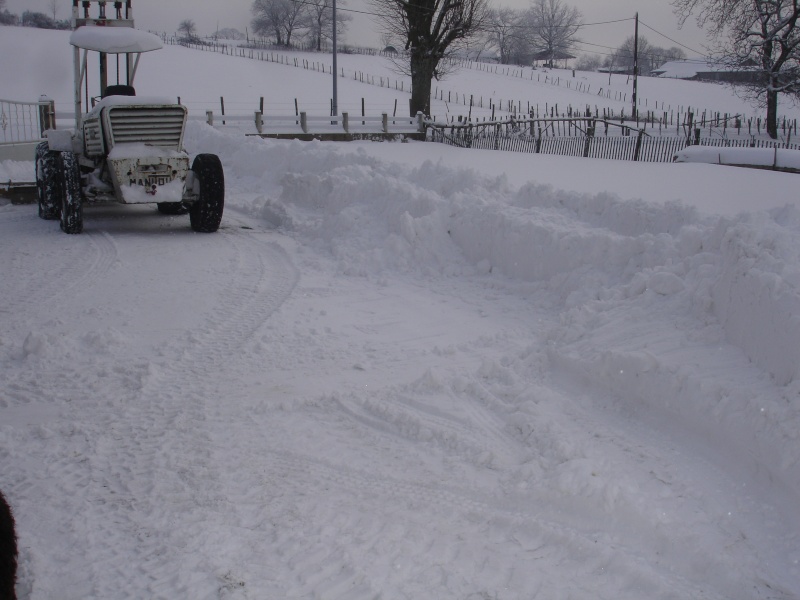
402 371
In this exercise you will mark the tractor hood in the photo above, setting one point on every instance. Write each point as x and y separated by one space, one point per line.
114 40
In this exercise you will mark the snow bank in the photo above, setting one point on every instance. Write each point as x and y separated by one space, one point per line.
614 265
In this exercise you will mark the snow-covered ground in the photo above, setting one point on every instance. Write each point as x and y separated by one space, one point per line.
407 371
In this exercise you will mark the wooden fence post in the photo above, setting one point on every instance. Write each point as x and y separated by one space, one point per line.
346 122
638 149
385 123
210 117
259 122
303 122
589 137
47 114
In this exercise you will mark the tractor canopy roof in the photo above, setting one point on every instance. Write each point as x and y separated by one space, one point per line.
114 40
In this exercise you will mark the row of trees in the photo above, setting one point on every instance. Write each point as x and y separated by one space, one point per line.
743 33
34 19
285 20
650 57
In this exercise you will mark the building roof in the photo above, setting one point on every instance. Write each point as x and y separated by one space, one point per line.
691 68
555 55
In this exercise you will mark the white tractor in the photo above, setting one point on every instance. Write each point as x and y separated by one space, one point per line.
124 148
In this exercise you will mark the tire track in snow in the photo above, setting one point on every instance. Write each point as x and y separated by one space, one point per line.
471 437
154 490
385 521
76 262
487 407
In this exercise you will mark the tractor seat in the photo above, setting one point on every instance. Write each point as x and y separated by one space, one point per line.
119 90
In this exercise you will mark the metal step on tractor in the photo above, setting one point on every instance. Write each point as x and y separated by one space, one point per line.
125 148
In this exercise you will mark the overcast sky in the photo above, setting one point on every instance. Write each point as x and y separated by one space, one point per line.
164 15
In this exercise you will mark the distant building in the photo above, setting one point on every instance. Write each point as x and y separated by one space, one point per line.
616 70
700 70
550 57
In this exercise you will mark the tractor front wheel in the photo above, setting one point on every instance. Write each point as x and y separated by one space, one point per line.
47 190
205 213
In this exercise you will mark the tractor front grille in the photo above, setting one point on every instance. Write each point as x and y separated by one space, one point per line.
93 138
153 125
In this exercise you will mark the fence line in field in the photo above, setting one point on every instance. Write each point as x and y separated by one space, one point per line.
269 55
537 136
661 115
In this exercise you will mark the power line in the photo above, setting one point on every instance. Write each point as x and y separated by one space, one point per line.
596 45
577 26
671 40
374 14
338 8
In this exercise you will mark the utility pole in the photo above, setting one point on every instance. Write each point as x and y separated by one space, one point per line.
635 65
335 105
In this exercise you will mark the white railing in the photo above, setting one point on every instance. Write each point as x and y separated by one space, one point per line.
25 122
304 124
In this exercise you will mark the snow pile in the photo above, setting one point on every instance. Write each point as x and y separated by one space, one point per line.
613 264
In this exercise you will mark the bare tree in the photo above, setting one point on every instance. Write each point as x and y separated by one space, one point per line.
53 4
505 32
432 30
279 18
650 57
320 20
588 62
760 32
188 29
553 27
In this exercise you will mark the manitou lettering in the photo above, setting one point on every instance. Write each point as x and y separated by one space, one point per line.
149 181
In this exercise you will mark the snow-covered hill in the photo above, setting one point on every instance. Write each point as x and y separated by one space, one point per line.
406 371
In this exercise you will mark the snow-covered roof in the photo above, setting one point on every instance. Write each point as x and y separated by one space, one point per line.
114 40
687 69
684 69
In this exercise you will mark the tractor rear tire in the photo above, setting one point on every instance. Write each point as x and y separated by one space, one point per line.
69 176
47 191
205 213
